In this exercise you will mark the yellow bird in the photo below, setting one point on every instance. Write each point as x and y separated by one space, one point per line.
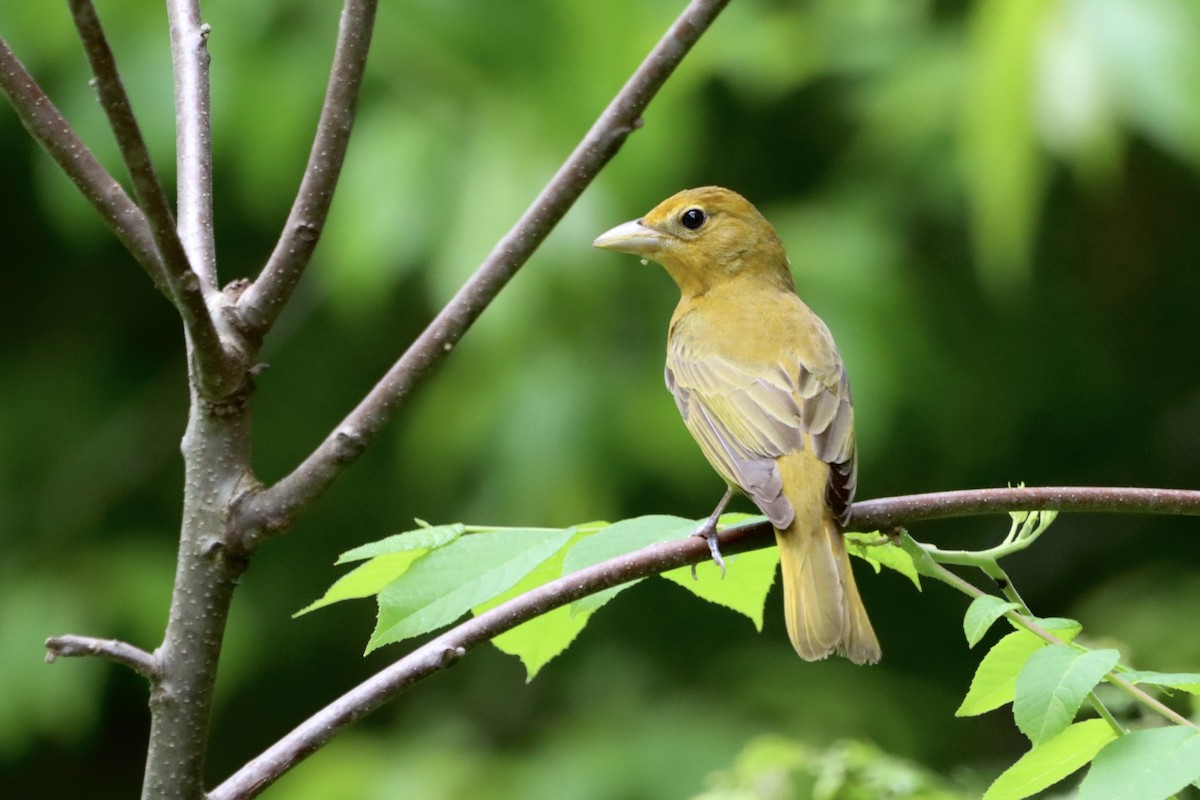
763 390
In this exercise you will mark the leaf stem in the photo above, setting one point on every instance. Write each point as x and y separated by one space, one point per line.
939 572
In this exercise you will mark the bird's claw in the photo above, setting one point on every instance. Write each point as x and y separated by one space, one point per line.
708 532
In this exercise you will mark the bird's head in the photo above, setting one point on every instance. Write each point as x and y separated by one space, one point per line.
704 237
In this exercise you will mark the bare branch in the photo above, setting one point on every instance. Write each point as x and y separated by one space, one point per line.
193 136
71 646
263 301
50 129
185 291
446 649
272 510
889 512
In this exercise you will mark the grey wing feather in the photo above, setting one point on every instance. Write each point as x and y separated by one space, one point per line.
745 421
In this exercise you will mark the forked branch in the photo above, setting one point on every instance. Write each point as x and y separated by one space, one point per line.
273 510
184 289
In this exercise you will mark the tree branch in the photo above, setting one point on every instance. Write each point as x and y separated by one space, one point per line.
272 510
446 649
193 137
71 646
889 512
50 129
261 303
185 291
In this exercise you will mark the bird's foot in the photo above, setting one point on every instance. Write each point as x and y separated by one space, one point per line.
708 532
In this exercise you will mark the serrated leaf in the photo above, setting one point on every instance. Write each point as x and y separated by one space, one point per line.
744 588
996 678
1052 760
449 581
1052 686
365 579
983 611
618 539
424 538
542 638
1144 765
1184 681
886 554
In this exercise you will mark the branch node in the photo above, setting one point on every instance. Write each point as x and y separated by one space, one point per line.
349 444
307 232
451 655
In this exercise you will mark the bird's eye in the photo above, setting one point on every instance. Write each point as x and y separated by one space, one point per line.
692 219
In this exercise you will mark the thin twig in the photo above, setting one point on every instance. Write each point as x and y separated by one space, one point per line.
262 302
1031 625
272 510
50 129
446 649
193 137
72 646
185 291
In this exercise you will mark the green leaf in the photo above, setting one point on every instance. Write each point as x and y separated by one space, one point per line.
1184 681
1144 765
618 539
983 611
995 680
366 579
1062 627
744 588
425 538
542 638
1052 760
1052 686
867 547
448 582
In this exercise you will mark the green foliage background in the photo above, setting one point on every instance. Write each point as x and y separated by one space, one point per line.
993 204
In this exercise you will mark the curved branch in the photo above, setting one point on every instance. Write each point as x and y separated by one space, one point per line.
446 649
51 130
71 646
272 510
261 303
193 137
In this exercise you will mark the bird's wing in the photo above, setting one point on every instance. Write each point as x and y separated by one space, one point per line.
744 419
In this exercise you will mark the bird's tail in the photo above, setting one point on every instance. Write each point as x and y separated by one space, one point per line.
821 603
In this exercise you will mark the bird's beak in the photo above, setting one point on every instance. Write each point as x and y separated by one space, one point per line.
630 237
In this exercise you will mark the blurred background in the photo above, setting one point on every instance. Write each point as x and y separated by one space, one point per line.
992 204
